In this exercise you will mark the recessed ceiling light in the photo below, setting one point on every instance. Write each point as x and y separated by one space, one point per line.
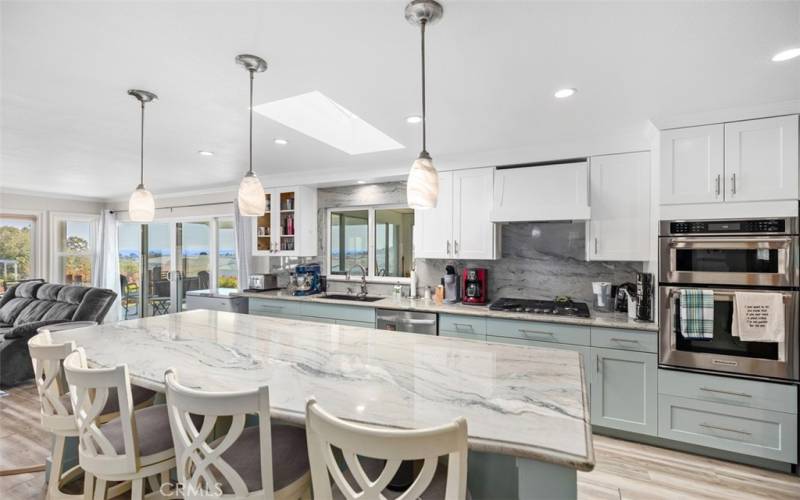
281 142
413 119
785 55
361 182
317 115
205 153
562 93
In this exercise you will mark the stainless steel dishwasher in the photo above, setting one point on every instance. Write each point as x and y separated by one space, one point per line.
406 321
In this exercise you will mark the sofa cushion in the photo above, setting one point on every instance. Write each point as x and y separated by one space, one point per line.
11 309
48 291
72 294
34 312
27 289
95 304
8 295
60 311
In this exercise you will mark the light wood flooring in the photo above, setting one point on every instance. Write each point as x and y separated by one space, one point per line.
624 470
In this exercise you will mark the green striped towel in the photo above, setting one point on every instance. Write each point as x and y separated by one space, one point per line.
697 313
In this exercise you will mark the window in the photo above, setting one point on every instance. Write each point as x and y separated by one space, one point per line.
73 246
227 270
17 256
377 238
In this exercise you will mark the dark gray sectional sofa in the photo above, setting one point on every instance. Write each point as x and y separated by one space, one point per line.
33 304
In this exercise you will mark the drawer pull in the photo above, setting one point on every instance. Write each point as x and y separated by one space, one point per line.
730 393
271 308
534 332
737 431
464 326
615 339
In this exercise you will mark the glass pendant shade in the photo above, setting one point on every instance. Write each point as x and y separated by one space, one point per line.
423 184
252 201
141 206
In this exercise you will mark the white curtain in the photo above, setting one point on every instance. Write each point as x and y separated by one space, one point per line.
106 260
243 230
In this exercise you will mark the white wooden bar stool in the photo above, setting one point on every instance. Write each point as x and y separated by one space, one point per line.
260 462
56 408
373 456
134 446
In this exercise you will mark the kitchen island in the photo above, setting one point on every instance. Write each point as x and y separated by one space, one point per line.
526 408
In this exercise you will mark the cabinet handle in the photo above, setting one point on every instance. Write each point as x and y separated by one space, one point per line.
730 393
597 363
455 247
719 180
614 339
534 332
737 431
595 246
448 247
733 183
460 326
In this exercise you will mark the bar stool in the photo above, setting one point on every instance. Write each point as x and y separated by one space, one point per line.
130 447
374 455
56 408
267 461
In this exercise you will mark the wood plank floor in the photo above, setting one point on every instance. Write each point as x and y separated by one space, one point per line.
624 470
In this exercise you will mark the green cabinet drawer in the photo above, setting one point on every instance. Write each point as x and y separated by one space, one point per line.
463 335
630 340
538 331
471 325
749 431
624 392
583 351
338 311
733 391
279 308
362 324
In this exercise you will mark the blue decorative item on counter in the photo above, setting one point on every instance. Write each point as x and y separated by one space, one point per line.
307 280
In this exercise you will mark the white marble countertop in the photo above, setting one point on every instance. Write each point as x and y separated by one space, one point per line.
521 401
607 320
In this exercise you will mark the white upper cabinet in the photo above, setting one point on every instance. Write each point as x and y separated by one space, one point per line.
459 226
761 159
620 197
289 226
541 193
692 165
433 227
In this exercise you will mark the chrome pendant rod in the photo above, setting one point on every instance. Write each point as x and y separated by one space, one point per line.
141 151
422 24
252 73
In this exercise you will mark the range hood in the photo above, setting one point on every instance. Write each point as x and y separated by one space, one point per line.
551 191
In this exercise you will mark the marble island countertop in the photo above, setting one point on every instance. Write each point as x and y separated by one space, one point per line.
523 402
607 320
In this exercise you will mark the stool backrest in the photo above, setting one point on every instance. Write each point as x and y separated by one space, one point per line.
200 466
89 390
325 432
47 359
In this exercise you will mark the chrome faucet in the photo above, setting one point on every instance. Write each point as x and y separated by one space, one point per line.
363 292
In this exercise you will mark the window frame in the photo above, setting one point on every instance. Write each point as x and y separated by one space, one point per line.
371 277
38 261
55 245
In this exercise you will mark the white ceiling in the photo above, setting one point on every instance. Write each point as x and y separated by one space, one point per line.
69 127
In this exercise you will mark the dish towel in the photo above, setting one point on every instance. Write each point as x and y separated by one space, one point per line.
758 317
697 313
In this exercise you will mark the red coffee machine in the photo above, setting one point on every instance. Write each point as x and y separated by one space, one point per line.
473 286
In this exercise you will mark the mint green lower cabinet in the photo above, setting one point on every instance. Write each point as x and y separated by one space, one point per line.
624 390
463 335
749 431
362 324
275 307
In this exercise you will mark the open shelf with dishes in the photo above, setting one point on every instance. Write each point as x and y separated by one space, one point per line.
289 226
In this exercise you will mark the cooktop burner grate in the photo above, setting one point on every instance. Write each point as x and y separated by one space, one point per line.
561 306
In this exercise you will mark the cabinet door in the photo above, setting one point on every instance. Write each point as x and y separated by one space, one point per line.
624 390
761 159
692 165
474 233
284 220
433 228
263 230
620 197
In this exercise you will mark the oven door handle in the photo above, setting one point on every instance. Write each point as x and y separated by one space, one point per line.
728 295
725 242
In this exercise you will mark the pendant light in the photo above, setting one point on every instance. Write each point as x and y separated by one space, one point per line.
252 201
422 190
141 206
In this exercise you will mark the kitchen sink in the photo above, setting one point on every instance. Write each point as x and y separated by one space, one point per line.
354 298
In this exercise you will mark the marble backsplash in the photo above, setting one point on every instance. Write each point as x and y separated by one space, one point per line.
539 260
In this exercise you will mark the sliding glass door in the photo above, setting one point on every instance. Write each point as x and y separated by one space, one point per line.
161 261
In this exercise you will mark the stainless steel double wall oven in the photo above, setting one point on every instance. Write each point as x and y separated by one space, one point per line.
757 255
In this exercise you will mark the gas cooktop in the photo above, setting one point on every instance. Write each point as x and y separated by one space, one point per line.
561 306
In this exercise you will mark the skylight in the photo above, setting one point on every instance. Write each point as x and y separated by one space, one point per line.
317 115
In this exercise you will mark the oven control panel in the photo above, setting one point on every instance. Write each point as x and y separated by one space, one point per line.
733 226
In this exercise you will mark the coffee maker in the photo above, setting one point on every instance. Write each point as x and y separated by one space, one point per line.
473 286
306 279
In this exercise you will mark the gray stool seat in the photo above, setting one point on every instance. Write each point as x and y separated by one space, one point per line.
152 428
289 457
373 468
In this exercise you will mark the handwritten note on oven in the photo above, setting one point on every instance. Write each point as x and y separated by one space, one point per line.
756 315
